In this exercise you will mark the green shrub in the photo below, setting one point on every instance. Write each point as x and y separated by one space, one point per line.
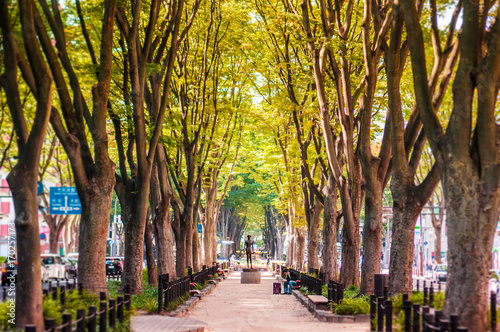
352 306
351 291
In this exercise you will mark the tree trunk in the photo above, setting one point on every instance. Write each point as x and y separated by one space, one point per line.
329 255
210 225
300 246
469 245
55 232
161 196
437 248
372 238
312 236
405 213
349 270
135 227
28 290
197 261
150 255
96 206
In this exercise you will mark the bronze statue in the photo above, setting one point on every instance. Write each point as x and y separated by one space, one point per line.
248 248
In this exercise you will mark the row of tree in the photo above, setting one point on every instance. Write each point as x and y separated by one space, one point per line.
342 113
357 95
147 101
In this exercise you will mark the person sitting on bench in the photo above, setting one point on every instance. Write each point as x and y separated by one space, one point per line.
288 283
220 271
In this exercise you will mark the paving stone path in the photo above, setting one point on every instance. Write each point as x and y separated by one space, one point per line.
236 307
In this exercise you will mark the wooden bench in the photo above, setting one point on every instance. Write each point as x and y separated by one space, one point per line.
193 292
318 302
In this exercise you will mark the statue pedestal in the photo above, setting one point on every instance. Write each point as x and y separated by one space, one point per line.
250 276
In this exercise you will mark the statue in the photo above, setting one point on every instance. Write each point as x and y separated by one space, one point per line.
248 248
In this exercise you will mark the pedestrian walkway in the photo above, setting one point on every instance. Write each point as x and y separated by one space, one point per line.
252 307
236 307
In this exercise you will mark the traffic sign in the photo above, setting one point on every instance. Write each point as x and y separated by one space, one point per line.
64 200
39 188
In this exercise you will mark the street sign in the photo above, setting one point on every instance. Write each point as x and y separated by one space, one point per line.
39 188
64 200
200 230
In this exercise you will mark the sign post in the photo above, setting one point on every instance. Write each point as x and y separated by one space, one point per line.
64 200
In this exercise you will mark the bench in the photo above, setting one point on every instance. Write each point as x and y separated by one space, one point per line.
193 292
318 302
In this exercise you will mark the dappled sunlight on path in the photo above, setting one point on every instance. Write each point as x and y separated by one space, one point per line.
239 307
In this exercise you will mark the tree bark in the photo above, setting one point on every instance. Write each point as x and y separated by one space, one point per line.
329 255
150 255
23 177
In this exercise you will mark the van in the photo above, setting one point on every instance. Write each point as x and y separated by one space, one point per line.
55 265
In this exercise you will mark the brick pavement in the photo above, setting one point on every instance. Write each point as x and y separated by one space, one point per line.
236 307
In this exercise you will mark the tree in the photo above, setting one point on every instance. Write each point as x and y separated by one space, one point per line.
467 156
141 49
23 177
93 170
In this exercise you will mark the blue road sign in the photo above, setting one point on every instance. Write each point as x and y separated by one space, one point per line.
64 200
39 188
200 229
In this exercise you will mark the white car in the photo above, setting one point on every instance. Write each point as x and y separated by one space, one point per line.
55 265
45 272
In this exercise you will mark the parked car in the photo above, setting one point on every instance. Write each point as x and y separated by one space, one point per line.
45 272
114 265
441 272
9 271
71 267
55 265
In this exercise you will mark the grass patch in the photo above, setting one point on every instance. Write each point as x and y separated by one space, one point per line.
352 306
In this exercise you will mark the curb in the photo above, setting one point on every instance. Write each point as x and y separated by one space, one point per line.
184 308
328 316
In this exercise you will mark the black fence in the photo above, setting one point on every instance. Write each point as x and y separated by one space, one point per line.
88 322
335 291
320 275
204 275
416 317
169 291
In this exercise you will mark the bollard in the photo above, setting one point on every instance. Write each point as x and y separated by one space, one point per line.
373 311
30 328
438 314
426 302
128 301
407 311
428 320
160 294
405 297
54 294
418 287
386 292
66 319
444 325
340 292
80 318
50 324
62 296
120 308
454 323
431 297
462 329
103 308
388 316
416 317
102 296
380 314
493 310
93 319
112 313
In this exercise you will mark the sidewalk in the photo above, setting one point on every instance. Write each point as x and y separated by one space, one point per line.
252 307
